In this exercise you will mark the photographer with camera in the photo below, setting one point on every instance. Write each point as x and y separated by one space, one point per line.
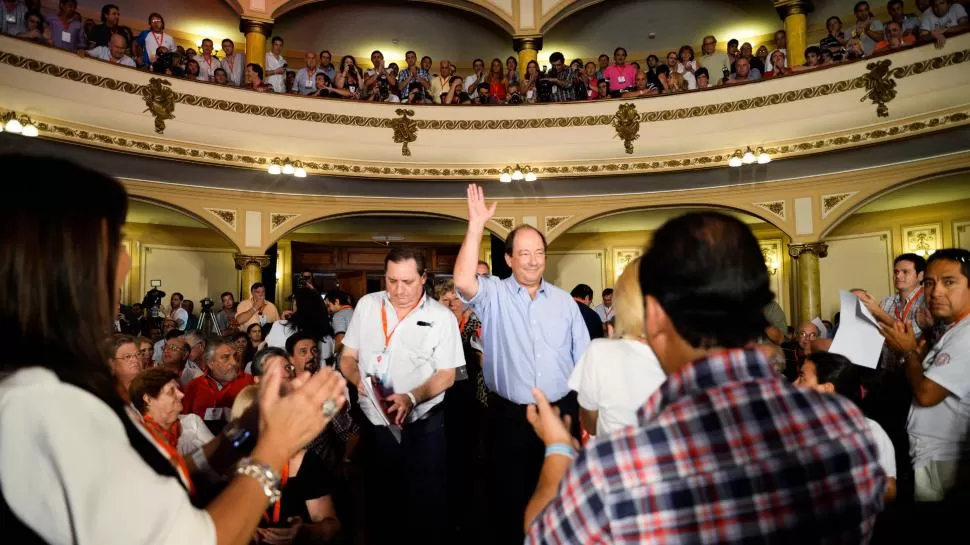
556 85
378 81
256 310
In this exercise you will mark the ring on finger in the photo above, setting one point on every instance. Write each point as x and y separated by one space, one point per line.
329 408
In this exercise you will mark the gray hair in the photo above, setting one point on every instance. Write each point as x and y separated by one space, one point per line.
194 337
212 346
264 355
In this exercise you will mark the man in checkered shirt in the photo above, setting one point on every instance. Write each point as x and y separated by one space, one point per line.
726 451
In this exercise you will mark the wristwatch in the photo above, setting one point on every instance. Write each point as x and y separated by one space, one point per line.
265 475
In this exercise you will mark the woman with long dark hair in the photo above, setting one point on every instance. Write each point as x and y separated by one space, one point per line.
75 465
310 316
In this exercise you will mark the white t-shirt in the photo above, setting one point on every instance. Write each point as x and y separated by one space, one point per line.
937 433
154 41
615 377
884 448
278 81
181 317
195 434
208 68
930 22
69 473
103 53
604 312
426 341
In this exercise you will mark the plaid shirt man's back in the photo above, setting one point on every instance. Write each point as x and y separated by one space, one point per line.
725 452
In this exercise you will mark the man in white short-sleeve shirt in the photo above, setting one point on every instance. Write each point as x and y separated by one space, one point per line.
401 350
940 415
943 19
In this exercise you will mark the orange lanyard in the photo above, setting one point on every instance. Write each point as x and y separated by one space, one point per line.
175 458
344 307
909 306
276 506
464 322
230 61
208 62
388 336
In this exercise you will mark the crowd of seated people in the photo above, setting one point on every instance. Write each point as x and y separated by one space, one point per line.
155 50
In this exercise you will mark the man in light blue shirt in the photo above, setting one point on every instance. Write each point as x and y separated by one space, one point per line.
532 334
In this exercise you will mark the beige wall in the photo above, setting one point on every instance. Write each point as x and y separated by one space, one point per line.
196 262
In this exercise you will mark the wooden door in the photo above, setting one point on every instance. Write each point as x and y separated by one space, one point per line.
354 283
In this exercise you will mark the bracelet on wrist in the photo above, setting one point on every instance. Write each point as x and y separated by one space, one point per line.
264 475
414 401
560 449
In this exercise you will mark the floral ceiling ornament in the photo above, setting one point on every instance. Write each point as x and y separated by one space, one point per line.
226 216
775 207
405 130
880 86
160 99
626 122
277 219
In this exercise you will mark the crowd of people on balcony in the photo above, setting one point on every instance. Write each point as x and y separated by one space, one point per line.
499 82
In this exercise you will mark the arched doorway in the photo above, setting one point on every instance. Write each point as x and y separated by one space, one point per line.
347 252
918 216
595 251
176 251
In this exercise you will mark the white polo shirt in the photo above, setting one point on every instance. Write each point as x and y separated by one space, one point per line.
426 341
937 433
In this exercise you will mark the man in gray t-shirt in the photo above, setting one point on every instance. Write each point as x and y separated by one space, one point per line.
341 311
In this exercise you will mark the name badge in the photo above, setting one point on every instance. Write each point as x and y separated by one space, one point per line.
65 36
215 413
308 83
262 319
589 92
11 18
621 79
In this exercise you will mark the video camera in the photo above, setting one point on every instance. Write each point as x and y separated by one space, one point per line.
153 302
206 304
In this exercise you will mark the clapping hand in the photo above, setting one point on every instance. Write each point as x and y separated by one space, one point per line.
280 536
478 212
900 337
547 423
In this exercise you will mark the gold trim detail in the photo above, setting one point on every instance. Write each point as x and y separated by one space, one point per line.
277 219
775 207
133 145
552 222
405 130
880 86
243 260
820 249
833 201
626 122
88 78
226 216
505 223
160 99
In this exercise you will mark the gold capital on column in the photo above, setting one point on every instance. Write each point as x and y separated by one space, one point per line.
256 32
794 14
528 49
809 282
252 270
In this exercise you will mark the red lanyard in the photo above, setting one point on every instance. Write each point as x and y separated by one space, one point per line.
159 41
388 336
909 306
208 62
276 506
174 457
230 61
344 307
464 322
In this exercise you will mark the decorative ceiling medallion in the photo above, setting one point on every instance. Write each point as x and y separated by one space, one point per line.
775 207
552 222
277 219
231 158
506 223
860 82
833 201
226 216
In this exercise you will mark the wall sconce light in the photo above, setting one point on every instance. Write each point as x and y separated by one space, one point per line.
286 166
749 157
517 174
14 124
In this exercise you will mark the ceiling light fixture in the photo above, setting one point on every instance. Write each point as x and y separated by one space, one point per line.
18 124
287 166
749 157
517 173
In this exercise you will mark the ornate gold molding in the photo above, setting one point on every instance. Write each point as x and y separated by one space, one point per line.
160 99
278 219
775 207
405 130
626 122
112 84
880 86
553 222
215 156
506 223
793 7
242 260
833 201
820 249
225 216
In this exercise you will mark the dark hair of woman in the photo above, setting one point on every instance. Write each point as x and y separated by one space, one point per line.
837 370
55 313
311 314
150 381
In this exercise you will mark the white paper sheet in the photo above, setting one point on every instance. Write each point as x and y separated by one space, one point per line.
858 337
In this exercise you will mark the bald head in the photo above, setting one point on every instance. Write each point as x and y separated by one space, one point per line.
117 46
445 68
